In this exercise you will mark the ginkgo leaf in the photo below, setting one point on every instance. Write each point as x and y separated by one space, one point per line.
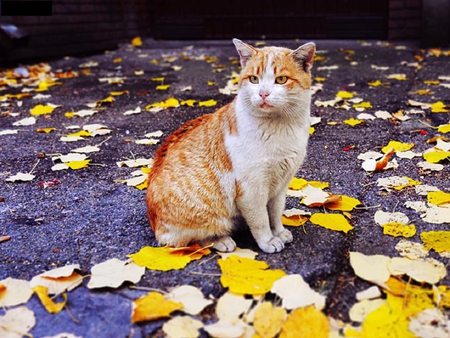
353 122
41 110
59 280
295 292
306 322
398 146
247 276
159 259
438 240
47 302
336 222
438 197
113 273
268 319
208 103
17 322
182 326
371 268
153 306
21 177
15 292
191 298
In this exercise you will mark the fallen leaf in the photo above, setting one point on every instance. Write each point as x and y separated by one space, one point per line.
247 276
372 268
191 298
113 273
444 128
182 326
45 130
428 270
382 217
75 165
370 293
17 322
438 240
139 162
334 222
41 110
230 307
372 165
153 306
245 253
136 42
208 103
8 132
59 280
398 77
306 322
438 197
223 329
397 229
47 302
14 292
345 203
28 121
359 311
268 319
344 95
162 87
87 149
411 250
430 323
436 156
295 292
439 107
378 83
159 259
21 177
353 122
398 146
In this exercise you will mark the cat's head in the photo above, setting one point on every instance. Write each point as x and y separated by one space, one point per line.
274 79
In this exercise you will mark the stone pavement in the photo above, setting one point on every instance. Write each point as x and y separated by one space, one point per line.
85 217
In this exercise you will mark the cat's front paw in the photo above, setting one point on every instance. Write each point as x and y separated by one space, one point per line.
225 244
275 244
285 236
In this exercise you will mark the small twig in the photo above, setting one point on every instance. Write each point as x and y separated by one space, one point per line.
367 208
104 141
144 288
34 167
97 164
395 207
427 124
205 274
207 259
74 319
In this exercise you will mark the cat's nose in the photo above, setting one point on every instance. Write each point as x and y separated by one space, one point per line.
264 94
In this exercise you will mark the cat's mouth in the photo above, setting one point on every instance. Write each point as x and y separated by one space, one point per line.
266 105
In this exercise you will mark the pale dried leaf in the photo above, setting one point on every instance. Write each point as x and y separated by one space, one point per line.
359 311
28 121
231 306
371 268
370 293
58 280
383 217
20 177
429 270
411 250
17 292
182 326
430 323
192 298
245 253
16 323
114 272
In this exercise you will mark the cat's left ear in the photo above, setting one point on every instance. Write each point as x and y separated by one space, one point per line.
245 51
305 55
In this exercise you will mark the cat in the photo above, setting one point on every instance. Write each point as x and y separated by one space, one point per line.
238 161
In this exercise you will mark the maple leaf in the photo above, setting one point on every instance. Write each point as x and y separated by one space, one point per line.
47 302
17 322
247 276
334 222
14 292
153 306
113 273
305 322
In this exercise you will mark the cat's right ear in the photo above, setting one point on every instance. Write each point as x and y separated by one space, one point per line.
245 51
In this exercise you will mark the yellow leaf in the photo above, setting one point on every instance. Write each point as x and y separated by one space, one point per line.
312 130
353 122
294 220
345 203
119 93
45 130
153 306
247 276
344 95
320 79
386 322
80 133
415 300
157 79
432 82
439 241
306 322
162 87
194 251
189 103
169 103
439 107
75 165
159 259
136 42
211 83
364 104
378 83
411 183
335 222
142 186
444 292
47 302
41 110
208 103
300 183
436 156
423 92
117 60
69 114
444 128
398 146
438 197
268 320
397 229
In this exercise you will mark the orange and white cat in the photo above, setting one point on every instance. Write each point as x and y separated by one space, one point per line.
238 161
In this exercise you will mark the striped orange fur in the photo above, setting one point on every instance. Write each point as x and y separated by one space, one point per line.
238 161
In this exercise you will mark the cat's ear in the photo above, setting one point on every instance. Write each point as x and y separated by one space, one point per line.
245 51
304 55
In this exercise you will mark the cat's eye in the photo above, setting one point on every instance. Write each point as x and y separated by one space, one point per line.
281 79
254 79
